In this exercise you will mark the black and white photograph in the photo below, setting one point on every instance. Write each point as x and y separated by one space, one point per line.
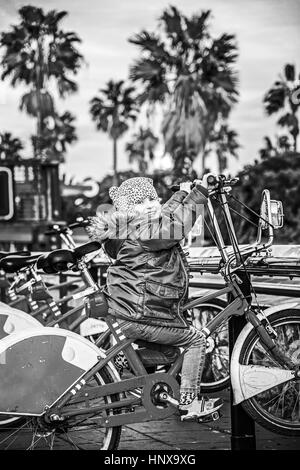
150 228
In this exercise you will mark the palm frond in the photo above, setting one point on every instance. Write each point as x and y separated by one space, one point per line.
274 99
172 21
10 146
290 121
197 26
21 59
224 49
54 17
114 107
37 101
146 70
289 72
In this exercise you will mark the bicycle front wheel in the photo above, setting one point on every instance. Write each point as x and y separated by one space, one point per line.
276 409
81 432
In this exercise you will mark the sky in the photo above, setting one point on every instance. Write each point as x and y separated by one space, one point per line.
267 33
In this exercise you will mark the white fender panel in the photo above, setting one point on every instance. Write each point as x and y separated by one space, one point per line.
256 379
39 365
238 383
13 320
17 321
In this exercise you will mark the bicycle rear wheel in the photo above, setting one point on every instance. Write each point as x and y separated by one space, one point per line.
216 372
276 409
81 432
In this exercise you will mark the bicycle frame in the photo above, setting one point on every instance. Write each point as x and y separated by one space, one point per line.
148 382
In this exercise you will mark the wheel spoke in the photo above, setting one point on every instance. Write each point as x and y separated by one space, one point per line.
82 431
13 433
278 407
69 440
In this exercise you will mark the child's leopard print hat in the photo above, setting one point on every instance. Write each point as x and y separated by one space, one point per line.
132 191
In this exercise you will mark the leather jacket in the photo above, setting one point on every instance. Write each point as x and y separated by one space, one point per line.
148 282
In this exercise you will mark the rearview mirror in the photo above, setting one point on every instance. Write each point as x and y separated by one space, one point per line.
276 214
271 212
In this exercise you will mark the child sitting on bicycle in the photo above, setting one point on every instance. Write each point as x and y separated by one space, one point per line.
148 283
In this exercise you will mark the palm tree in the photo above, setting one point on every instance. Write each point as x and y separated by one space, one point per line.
281 96
141 148
36 53
10 147
112 110
225 144
190 73
282 146
57 134
268 150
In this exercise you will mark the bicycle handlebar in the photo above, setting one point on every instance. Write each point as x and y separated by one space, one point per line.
213 182
58 229
201 188
79 223
217 184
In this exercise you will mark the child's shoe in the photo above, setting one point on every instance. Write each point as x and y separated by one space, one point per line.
204 409
121 363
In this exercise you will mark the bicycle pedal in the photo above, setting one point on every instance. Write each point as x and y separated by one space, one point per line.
212 417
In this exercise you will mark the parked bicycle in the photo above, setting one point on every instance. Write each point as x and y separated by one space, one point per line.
71 393
42 306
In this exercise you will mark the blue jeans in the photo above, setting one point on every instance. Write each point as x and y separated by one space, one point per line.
191 339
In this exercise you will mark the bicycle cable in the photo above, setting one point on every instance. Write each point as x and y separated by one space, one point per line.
250 210
236 246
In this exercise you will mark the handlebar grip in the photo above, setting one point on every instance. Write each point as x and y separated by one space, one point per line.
51 232
83 223
56 228
56 232
212 180
176 187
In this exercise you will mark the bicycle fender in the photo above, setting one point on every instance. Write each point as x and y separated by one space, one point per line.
13 320
239 386
38 366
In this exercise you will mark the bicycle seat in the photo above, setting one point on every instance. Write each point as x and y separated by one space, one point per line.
57 261
43 263
89 247
12 264
153 354
3 254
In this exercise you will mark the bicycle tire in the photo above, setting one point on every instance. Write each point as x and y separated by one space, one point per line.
264 408
216 371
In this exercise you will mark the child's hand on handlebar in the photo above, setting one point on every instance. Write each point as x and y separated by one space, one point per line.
197 182
186 186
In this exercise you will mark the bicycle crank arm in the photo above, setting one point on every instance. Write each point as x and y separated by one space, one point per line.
166 398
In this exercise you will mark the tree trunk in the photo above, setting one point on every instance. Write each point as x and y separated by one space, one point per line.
39 129
115 177
39 86
203 159
295 143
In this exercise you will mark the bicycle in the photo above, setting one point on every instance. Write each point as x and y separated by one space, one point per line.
86 396
29 283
